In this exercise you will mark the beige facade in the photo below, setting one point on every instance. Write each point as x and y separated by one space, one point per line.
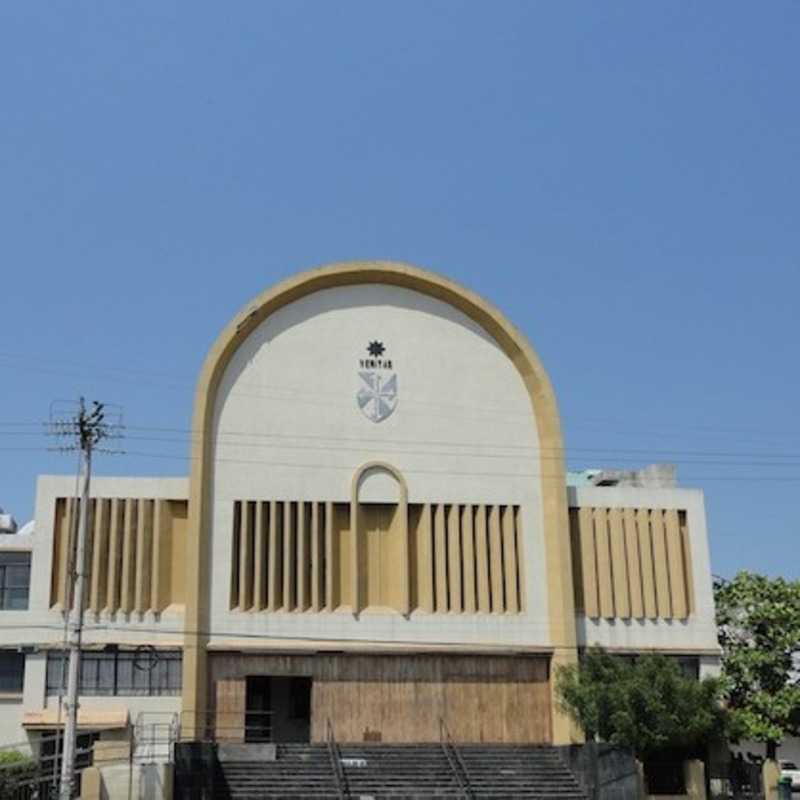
401 557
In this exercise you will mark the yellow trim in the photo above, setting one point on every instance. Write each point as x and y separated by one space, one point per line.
507 337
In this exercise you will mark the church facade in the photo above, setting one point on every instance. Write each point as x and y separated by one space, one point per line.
377 538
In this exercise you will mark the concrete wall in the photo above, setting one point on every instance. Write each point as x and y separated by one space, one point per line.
463 432
697 633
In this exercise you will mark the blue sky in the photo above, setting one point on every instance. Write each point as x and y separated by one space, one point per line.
620 178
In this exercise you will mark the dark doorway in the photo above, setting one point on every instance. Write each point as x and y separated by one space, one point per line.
278 709
258 716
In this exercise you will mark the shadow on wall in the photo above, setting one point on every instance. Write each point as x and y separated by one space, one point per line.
604 771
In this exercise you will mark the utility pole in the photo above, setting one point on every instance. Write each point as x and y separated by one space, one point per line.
87 428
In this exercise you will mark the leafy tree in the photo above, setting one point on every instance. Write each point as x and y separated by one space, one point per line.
647 705
14 767
758 619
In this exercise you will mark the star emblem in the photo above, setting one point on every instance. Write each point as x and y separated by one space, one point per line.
376 349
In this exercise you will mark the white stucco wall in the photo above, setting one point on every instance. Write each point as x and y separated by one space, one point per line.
695 634
287 427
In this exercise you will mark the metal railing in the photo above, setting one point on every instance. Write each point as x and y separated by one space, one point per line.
457 764
154 737
336 762
38 773
226 726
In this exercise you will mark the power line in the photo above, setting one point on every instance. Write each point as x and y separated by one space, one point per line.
264 392
650 453
469 473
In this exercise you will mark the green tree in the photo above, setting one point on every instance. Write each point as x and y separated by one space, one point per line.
758 619
647 705
14 767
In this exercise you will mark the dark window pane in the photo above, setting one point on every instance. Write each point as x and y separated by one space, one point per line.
15 578
124 673
12 671
16 599
55 665
121 673
15 558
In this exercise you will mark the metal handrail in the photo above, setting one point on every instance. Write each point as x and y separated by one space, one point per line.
336 762
214 724
456 762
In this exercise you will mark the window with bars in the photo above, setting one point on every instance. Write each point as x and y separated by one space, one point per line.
12 671
150 674
15 581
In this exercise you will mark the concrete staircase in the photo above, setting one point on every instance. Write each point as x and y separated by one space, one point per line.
402 771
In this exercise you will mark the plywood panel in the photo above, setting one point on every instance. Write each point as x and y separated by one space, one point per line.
646 558
402 698
663 600
482 560
677 578
230 696
588 563
619 564
634 567
605 585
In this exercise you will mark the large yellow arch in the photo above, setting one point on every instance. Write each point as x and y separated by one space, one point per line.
543 402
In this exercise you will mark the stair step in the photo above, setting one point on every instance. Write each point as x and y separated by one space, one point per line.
412 771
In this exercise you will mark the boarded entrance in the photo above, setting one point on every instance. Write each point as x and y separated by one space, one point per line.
398 698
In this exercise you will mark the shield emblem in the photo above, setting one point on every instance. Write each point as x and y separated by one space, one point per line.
377 397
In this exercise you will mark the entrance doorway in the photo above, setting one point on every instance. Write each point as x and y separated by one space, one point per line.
278 709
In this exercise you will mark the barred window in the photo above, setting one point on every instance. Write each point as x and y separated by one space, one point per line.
15 580
12 671
149 674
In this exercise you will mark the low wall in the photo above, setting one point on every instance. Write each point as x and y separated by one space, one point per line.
128 782
604 771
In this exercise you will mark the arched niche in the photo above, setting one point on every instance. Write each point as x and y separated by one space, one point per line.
377 486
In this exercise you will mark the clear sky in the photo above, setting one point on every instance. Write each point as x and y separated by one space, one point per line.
621 179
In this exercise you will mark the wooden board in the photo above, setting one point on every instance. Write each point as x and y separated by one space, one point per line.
401 698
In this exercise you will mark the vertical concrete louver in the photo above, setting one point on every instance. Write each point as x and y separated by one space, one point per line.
631 563
135 554
298 556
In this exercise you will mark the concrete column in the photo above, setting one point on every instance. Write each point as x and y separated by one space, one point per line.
770 774
695 776
91 784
